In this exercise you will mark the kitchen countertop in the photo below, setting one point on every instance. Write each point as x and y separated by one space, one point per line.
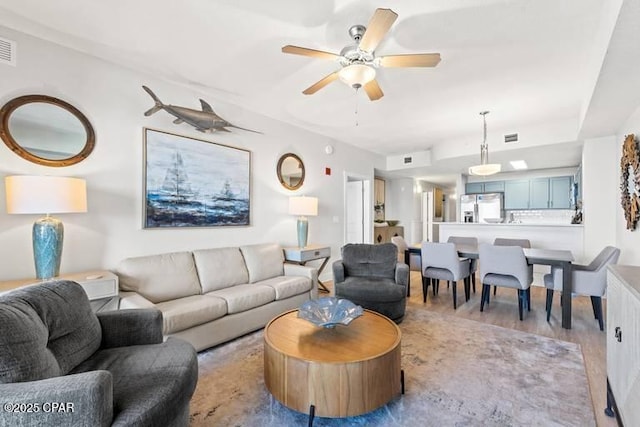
484 224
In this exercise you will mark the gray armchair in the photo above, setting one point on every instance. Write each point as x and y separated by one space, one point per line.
61 364
371 276
590 280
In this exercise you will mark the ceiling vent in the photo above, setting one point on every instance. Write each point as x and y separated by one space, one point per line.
512 137
407 160
7 52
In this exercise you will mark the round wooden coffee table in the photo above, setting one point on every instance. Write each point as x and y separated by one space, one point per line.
339 372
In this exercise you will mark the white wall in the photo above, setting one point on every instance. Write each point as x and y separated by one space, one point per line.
113 100
599 194
399 203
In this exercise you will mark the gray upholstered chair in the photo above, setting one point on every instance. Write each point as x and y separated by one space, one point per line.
440 261
415 260
371 276
501 241
505 266
590 280
473 266
106 369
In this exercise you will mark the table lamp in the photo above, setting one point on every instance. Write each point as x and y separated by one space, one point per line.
303 206
46 195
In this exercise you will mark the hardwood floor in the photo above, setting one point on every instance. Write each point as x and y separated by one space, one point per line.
503 311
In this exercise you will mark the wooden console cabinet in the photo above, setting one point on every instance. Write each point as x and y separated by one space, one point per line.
385 233
623 343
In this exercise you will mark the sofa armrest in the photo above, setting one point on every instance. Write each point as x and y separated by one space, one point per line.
338 271
402 274
122 328
80 399
304 271
134 300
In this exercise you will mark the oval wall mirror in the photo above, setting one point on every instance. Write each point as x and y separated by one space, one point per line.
290 171
46 130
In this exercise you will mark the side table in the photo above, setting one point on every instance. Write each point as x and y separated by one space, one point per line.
101 287
310 253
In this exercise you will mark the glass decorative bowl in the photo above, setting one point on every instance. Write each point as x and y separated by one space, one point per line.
329 311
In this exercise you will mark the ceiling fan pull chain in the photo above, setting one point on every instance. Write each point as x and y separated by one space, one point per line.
356 112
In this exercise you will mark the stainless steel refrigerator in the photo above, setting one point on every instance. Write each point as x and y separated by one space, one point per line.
482 208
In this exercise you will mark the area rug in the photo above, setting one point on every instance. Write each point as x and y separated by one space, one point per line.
458 372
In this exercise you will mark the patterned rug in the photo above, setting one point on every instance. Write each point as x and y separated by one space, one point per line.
458 373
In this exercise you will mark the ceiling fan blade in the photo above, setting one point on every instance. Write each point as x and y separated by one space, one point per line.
320 84
373 90
411 60
378 27
297 50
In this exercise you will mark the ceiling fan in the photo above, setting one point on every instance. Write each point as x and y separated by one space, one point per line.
359 61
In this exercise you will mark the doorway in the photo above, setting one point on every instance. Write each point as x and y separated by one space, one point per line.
358 209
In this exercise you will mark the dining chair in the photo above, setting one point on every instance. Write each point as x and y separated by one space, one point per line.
440 261
505 266
589 280
502 241
415 260
473 266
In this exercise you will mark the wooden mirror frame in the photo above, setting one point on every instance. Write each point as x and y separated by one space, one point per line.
14 104
279 171
630 160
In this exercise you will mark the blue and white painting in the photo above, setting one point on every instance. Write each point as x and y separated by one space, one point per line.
194 183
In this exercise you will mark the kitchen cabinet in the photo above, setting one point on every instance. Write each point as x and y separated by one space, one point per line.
539 193
484 187
623 342
516 194
560 189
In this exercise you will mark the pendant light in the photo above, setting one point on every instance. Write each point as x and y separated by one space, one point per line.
484 168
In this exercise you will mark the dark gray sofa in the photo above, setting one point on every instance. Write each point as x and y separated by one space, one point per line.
370 276
61 364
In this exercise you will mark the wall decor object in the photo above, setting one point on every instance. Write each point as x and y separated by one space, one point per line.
194 183
630 181
290 171
205 120
46 130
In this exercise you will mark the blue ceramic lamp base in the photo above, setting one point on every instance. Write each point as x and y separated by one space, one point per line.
48 234
303 231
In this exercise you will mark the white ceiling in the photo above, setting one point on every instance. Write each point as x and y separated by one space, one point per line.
536 65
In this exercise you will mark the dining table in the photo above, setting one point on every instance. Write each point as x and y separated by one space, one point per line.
560 258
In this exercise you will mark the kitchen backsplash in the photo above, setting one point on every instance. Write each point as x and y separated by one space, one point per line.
547 216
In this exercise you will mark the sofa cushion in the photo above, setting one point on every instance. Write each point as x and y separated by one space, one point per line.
183 313
244 297
150 382
263 261
287 286
160 278
220 268
47 330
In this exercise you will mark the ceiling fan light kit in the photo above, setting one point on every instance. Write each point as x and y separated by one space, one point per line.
485 168
359 61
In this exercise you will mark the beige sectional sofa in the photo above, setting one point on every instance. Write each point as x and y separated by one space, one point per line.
210 296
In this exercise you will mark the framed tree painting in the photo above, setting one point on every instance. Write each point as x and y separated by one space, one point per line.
194 183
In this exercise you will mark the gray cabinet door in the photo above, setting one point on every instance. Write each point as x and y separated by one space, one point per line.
494 187
475 187
560 192
516 194
539 193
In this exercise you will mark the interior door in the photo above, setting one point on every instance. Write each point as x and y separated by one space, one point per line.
355 212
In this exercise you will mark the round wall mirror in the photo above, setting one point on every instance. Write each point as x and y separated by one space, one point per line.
630 181
46 130
290 171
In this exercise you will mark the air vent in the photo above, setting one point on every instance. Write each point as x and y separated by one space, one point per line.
512 137
7 52
407 160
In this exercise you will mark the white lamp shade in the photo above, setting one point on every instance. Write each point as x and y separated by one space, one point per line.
45 194
485 169
357 74
304 206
